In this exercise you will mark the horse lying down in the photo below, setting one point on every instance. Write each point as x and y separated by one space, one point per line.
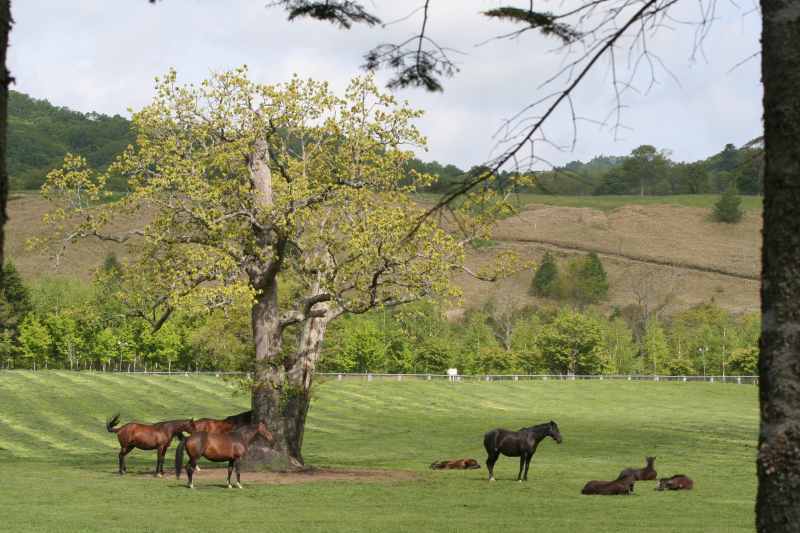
456 464
648 473
677 482
622 487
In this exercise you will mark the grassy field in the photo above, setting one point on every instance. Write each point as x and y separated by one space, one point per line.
57 462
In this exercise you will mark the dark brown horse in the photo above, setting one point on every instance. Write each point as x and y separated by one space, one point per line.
522 444
218 447
456 464
648 473
242 419
146 437
677 482
623 486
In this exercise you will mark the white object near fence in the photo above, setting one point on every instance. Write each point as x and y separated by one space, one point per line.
452 373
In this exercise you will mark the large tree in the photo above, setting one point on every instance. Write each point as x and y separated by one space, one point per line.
778 502
286 194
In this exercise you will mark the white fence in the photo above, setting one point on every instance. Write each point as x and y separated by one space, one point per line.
341 376
740 380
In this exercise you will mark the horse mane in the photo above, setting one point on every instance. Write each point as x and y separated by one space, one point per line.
537 427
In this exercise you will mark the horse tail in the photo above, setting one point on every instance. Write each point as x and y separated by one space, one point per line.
179 458
111 423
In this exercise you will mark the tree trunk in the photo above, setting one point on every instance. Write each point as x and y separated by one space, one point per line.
5 79
778 464
282 394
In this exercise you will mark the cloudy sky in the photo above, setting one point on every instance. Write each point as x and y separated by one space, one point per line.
102 55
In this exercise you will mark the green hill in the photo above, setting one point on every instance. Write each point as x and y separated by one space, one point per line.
58 462
39 134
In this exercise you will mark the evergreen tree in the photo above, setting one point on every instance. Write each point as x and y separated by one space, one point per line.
728 207
592 281
545 280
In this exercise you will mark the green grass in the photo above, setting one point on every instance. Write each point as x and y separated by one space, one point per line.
608 203
57 462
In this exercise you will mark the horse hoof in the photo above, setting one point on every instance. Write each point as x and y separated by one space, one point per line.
519 481
239 485
492 479
159 475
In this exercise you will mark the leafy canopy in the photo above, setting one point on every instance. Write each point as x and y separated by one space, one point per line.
237 182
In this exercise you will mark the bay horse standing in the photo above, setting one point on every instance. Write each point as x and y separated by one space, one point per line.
218 447
522 444
146 437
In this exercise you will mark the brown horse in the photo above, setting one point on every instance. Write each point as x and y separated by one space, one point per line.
218 447
522 444
648 473
623 486
677 482
456 464
146 437
211 425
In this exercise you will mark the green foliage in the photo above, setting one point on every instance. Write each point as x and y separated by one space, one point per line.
744 361
546 281
572 344
655 347
585 280
34 341
728 209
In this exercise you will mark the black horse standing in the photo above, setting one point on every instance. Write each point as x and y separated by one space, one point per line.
520 444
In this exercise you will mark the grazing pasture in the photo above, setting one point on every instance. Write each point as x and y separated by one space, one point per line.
58 463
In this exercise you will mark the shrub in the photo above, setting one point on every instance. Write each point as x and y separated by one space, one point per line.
728 207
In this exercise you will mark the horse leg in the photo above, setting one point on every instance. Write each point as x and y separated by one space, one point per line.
122 453
521 467
190 471
162 452
237 465
230 471
527 465
490 461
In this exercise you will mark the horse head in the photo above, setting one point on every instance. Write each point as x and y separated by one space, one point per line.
264 432
650 461
555 433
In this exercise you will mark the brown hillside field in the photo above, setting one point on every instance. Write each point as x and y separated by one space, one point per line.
660 253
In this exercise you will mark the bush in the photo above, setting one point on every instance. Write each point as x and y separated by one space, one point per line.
728 207
545 280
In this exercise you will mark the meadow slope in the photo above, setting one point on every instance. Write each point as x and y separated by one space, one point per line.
58 462
667 243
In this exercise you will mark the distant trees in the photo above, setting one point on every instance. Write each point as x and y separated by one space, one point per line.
584 280
546 279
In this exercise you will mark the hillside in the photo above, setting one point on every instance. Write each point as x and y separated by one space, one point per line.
656 252
58 462
39 134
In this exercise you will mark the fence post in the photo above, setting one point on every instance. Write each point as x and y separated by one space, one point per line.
369 377
399 377
739 380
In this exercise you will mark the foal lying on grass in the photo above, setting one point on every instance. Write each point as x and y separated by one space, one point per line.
456 464
677 482
622 487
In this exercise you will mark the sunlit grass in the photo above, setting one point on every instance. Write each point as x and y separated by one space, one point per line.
57 461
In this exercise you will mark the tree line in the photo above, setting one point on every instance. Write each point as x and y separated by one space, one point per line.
66 324
646 171
40 134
